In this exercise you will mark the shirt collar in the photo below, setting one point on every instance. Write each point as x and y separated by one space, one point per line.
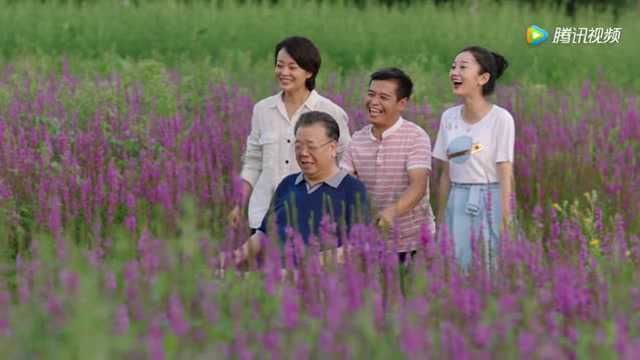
390 130
333 181
310 103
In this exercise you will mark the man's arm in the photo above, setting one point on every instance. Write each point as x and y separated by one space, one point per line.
418 182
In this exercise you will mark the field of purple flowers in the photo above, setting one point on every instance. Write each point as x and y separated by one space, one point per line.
113 195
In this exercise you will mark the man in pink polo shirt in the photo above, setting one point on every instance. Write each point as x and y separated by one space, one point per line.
392 156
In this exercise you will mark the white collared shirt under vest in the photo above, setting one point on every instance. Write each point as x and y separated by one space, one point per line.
270 155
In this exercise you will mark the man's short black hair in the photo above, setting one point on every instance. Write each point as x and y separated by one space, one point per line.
405 85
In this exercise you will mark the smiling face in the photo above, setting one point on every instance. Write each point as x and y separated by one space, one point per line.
465 75
382 103
315 151
290 76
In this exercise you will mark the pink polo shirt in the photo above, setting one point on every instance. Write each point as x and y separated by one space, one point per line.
383 166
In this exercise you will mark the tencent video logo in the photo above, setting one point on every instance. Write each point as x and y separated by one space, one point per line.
536 35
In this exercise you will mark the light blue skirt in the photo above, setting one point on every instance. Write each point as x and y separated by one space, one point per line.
474 211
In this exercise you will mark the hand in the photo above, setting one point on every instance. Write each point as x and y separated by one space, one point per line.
290 275
506 223
219 272
233 258
234 217
340 255
326 257
225 259
385 218
439 218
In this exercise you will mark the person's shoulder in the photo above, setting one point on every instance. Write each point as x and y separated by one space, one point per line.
325 104
288 181
323 100
412 127
501 114
452 112
291 178
362 134
266 102
450 116
350 179
414 131
353 183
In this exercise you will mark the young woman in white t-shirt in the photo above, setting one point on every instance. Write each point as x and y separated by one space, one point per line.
475 143
270 156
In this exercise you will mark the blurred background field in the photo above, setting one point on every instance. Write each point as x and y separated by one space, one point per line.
235 40
122 124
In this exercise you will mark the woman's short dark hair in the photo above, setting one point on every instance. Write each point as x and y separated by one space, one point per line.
490 62
306 55
405 85
318 117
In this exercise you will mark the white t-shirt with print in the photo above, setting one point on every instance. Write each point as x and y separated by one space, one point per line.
495 132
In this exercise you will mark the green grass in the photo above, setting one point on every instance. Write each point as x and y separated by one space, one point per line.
224 39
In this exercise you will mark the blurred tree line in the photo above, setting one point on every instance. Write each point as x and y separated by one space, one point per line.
570 6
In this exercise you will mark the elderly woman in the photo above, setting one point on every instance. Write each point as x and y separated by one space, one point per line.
321 188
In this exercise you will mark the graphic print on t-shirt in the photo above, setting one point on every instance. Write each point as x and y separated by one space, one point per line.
461 148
